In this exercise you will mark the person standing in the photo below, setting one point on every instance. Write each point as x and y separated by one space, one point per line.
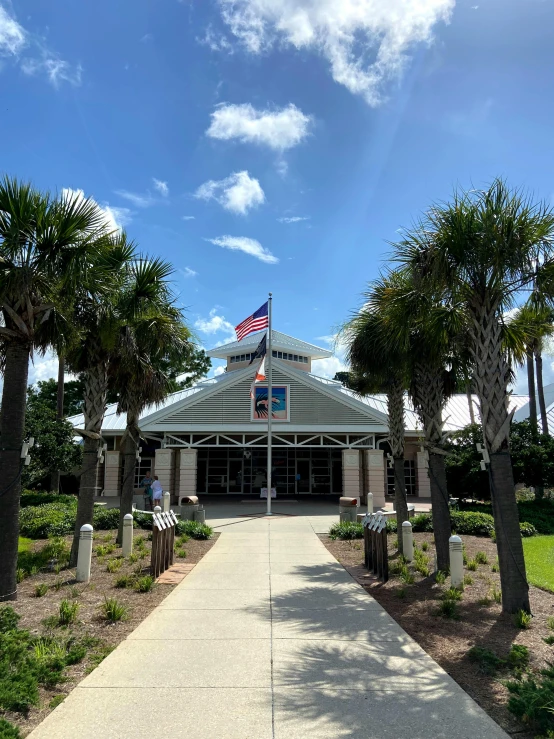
146 483
157 492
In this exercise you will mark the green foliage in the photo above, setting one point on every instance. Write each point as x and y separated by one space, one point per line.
406 576
532 700
41 589
448 609
133 558
488 661
536 513
539 561
400 593
522 619
46 392
31 498
346 531
113 565
182 540
495 566
54 449
550 622
481 558
549 640
50 519
144 584
464 475
472 565
27 662
68 613
103 549
56 700
182 553
114 611
496 594
424 546
440 577
518 656
452 594
194 529
8 731
421 563
105 518
124 581
468 580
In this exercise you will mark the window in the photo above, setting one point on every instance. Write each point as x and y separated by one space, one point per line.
232 359
290 357
305 360
274 354
280 355
409 478
296 357
242 357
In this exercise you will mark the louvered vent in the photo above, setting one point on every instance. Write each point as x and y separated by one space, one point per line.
232 405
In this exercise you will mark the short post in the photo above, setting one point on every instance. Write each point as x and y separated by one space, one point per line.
166 497
157 509
370 502
127 547
84 555
456 561
408 541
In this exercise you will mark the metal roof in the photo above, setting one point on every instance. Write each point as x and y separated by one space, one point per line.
279 341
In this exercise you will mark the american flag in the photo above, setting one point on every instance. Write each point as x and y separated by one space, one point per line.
255 322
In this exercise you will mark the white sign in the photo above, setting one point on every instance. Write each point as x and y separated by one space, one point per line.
263 493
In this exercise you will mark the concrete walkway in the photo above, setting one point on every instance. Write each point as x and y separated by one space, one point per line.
268 638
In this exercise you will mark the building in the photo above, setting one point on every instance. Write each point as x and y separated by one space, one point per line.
211 439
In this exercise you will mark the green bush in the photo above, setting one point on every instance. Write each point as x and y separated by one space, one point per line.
467 522
194 529
41 589
144 584
8 731
30 498
50 519
452 594
346 531
448 609
488 661
105 519
536 513
532 700
114 611
522 620
68 613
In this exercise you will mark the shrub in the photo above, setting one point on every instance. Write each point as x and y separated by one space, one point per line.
518 656
468 580
8 731
496 594
50 519
133 558
113 565
421 522
182 540
142 520
538 514
472 565
114 611
41 589
30 498
481 558
448 609
182 553
103 549
20 574
68 613
344 531
532 700
144 584
194 529
452 594
550 622
105 518
487 661
549 640
395 567
522 619
440 577
124 581
495 567
424 546
8 619
406 576
55 702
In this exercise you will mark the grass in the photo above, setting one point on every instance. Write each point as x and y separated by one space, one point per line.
41 589
144 584
114 611
24 544
522 620
68 613
539 561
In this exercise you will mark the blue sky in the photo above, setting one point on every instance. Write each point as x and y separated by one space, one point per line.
274 144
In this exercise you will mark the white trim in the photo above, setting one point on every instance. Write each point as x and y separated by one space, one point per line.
285 439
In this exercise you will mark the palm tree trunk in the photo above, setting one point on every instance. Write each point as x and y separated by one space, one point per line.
129 465
429 400
395 405
532 391
440 510
513 579
470 403
96 387
14 397
55 476
540 390
492 376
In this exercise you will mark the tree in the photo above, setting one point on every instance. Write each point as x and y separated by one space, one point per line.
161 340
54 447
464 475
378 367
46 245
483 249
47 392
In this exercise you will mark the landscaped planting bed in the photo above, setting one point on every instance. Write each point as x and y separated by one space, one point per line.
118 587
478 621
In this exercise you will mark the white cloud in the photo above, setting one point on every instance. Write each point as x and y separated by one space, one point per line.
188 272
116 218
137 199
215 42
248 246
215 324
12 35
188 218
219 370
366 42
161 187
56 69
330 366
279 129
238 193
293 219
14 38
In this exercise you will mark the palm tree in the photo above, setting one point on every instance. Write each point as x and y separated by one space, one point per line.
46 248
377 367
483 249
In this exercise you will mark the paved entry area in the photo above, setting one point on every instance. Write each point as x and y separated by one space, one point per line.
268 638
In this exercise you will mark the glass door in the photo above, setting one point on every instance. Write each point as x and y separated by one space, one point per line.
303 476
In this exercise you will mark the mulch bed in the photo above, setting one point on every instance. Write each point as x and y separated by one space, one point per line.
448 641
34 611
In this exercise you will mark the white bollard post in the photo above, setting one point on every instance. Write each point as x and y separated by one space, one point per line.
370 502
157 509
84 555
408 541
127 547
456 562
166 498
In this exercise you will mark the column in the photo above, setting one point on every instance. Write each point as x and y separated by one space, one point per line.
423 481
163 467
112 473
351 473
376 476
187 472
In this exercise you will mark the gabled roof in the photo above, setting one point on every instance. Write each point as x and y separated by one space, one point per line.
282 342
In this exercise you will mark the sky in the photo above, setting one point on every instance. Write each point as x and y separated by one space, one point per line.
274 145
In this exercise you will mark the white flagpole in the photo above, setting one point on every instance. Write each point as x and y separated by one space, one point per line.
269 404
